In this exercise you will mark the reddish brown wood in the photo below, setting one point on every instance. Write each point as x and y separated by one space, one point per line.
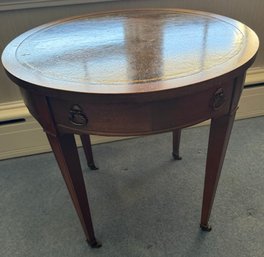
153 76
66 154
218 140
86 142
220 131
130 117
135 51
176 137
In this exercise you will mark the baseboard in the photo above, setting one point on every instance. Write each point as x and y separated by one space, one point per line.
26 137
255 76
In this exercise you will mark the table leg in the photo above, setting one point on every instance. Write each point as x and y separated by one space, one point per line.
220 131
86 142
176 135
65 151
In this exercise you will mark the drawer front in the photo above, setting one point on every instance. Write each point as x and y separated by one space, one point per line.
101 119
192 109
131 118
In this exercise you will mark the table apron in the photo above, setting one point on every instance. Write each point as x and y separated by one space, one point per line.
128 118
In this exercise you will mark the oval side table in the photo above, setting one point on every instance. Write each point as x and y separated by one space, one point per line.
132 72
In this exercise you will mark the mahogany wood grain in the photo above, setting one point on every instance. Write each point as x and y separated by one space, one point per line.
86 142
176 137
66 153
132 72
218 140
130 51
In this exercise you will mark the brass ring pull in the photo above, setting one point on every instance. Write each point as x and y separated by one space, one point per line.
218 99
77 117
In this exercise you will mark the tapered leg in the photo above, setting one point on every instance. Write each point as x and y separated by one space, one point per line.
66 154
218 140
176 135
86 142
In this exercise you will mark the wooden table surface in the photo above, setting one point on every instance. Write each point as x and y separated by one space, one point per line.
132 72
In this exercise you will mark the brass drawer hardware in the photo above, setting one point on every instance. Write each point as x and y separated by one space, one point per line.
218 99
77 117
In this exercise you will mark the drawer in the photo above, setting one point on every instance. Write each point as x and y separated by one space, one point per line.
133 118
